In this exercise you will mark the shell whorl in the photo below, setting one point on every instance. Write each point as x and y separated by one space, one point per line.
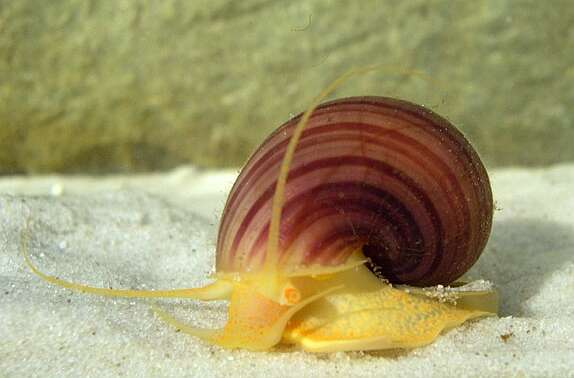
376 173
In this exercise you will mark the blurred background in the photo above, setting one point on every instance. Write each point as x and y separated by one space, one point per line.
135 86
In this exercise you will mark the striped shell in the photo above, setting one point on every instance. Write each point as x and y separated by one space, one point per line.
383 175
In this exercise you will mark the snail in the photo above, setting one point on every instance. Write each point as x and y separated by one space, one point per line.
344 230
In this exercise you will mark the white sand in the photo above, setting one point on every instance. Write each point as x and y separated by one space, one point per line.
86 230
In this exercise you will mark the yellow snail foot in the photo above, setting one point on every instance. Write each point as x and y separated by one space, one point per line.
368 314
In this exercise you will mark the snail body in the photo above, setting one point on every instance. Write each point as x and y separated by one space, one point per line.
335 222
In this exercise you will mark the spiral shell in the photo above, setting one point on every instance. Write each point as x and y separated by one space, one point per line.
379 174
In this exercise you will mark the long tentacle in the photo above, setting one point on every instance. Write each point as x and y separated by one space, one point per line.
219 289
271 255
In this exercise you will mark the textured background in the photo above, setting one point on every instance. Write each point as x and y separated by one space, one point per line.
120 86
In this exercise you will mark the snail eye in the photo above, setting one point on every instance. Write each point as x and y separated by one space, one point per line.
290 295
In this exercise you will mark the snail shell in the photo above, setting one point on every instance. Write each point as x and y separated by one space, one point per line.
379 174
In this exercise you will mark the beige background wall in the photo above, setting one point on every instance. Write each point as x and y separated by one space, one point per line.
115 86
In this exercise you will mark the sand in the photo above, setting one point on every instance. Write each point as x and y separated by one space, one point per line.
158 231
